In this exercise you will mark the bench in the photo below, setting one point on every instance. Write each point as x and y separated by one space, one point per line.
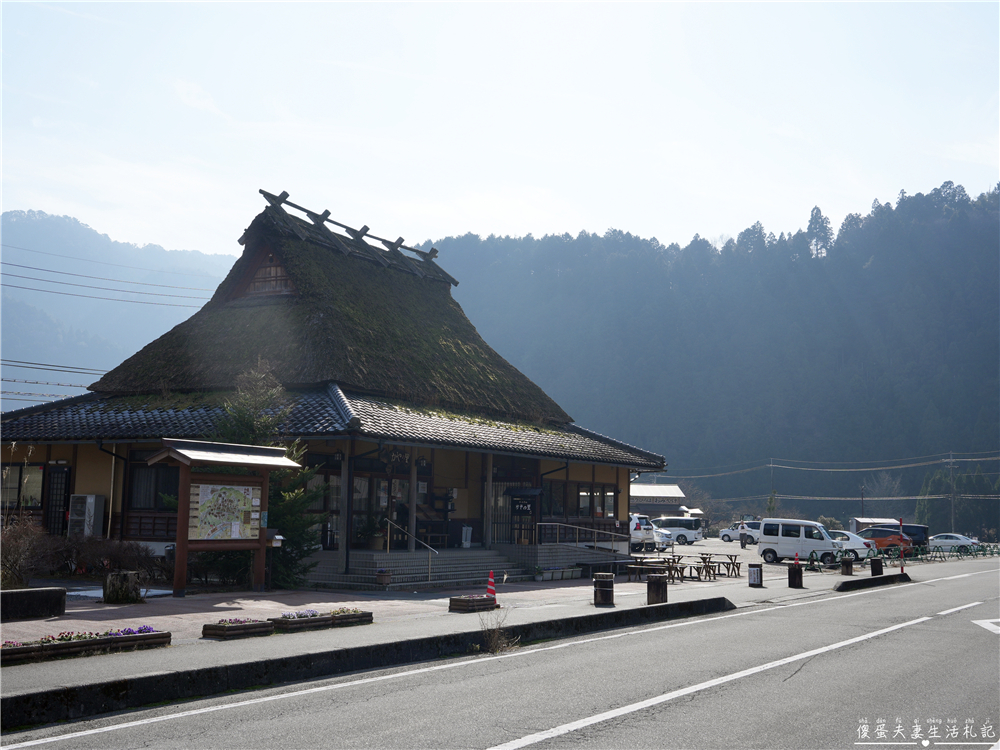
434 540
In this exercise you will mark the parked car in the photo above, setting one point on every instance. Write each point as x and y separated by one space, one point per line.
918 533
887 539
641 536
788 537
855 545
732 534
949 542
663 538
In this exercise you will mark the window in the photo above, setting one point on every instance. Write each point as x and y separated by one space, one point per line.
553 493
770 529
791 530
152 487
610 494
812 532
583 493
22 486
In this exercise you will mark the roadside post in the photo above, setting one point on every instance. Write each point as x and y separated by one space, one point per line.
656 588
795 575
902 555
876 566
604 589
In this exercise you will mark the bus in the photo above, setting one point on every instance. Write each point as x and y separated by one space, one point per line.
684 530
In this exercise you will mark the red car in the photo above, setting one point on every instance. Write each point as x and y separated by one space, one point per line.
888 539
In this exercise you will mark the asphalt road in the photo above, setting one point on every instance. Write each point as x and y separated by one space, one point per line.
811 673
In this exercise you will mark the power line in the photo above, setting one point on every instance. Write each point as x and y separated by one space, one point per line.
105 263
66 368
29 393
107 299
102 278
42 382
103 288
43 400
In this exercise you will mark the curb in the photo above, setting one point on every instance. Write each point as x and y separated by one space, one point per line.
855 584
69 703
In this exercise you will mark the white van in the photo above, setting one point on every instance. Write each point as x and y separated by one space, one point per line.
683 529
783 537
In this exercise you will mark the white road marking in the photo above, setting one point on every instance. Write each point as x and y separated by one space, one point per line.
452 665
991 625
573 726
959 609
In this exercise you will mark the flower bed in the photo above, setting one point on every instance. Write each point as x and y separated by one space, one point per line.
350 616
237 627
472 603
82 644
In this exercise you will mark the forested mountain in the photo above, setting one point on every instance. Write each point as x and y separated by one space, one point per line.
881 341
877 342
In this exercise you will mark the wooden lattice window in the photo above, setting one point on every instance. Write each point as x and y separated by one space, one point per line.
270 278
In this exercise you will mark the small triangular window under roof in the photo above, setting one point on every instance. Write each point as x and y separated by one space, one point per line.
269 278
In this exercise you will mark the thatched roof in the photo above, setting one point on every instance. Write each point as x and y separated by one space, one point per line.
373 320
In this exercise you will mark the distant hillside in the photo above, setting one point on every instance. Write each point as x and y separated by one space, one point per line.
881 340
64 324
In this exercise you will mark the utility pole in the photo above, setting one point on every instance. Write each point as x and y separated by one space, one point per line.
863 502
951 467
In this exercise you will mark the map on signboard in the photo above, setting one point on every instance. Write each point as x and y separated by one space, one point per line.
224 512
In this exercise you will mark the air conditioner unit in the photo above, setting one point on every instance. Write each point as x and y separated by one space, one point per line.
86 515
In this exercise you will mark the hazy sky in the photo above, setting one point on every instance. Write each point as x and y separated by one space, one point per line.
159 122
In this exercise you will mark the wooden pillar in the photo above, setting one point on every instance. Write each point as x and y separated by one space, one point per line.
488 501
183 520
260 554
411 522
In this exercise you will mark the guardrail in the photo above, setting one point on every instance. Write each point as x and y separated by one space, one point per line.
573 536
429 548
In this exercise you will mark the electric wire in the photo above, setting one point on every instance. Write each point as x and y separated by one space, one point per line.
107 299
104 288
42 382
102 278
67 368
106 263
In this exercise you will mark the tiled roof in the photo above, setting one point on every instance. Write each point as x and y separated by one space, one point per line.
401 422
325 412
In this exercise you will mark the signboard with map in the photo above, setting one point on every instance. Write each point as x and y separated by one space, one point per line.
221 511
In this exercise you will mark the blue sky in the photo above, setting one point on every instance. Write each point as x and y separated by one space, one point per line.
158 122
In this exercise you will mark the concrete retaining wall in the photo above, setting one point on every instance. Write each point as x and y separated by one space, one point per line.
32 604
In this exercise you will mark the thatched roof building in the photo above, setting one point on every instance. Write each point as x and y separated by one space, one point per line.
322 307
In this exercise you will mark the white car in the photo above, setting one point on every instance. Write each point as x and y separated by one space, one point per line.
663 538
949 542
640 532
732 534
855 545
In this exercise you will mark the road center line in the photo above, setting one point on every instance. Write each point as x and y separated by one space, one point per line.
452 665
573 726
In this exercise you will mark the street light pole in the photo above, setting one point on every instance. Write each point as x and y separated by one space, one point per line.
863 501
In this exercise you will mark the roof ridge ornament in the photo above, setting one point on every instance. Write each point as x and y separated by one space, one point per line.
278 201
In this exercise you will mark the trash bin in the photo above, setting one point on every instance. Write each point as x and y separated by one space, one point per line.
170 552
847 567
794 576
876 566
604 589
755 574
466 537
656 588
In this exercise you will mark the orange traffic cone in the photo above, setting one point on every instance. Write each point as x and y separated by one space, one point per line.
491 589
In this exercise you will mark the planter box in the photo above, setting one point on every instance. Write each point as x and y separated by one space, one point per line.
359 618
575 572
286 625
477 604
242 630
59 649
546 575
383 579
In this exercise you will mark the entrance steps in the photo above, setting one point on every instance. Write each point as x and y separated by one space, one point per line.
448 568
